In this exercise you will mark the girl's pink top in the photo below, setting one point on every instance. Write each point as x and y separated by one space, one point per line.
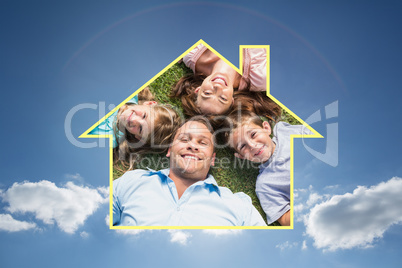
254 66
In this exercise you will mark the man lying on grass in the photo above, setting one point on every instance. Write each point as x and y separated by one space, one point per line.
185 194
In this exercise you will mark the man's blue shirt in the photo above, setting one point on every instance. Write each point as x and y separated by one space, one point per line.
149 198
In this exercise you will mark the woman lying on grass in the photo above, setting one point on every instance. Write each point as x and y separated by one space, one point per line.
250 136
209 90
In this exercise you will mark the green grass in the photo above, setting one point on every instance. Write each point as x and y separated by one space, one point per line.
236 174
162 86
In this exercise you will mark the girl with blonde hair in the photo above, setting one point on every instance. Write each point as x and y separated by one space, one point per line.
140 126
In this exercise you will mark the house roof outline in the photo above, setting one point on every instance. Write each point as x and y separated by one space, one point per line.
240 71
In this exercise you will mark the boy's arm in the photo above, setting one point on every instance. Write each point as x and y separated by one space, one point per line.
274 203
284 220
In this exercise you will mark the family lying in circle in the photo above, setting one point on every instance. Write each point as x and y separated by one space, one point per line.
214 97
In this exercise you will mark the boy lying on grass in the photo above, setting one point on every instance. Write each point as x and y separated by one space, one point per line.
250 138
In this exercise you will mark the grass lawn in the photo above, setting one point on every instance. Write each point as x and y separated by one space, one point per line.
236 174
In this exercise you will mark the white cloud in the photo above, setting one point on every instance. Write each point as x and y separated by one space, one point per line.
75 176
331 187
287 245
104 191
68 207
313 199
84 234
298 208
356 219
9 224
304 245
180 237
301 190
304 199
218 232
129 231
107 219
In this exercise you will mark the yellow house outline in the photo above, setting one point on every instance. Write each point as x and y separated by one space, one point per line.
240 71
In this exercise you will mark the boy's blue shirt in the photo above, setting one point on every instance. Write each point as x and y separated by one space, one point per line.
273 182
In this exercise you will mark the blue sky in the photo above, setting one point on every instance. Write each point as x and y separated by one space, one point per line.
57 57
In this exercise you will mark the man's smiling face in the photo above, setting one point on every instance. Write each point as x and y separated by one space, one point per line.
192 151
